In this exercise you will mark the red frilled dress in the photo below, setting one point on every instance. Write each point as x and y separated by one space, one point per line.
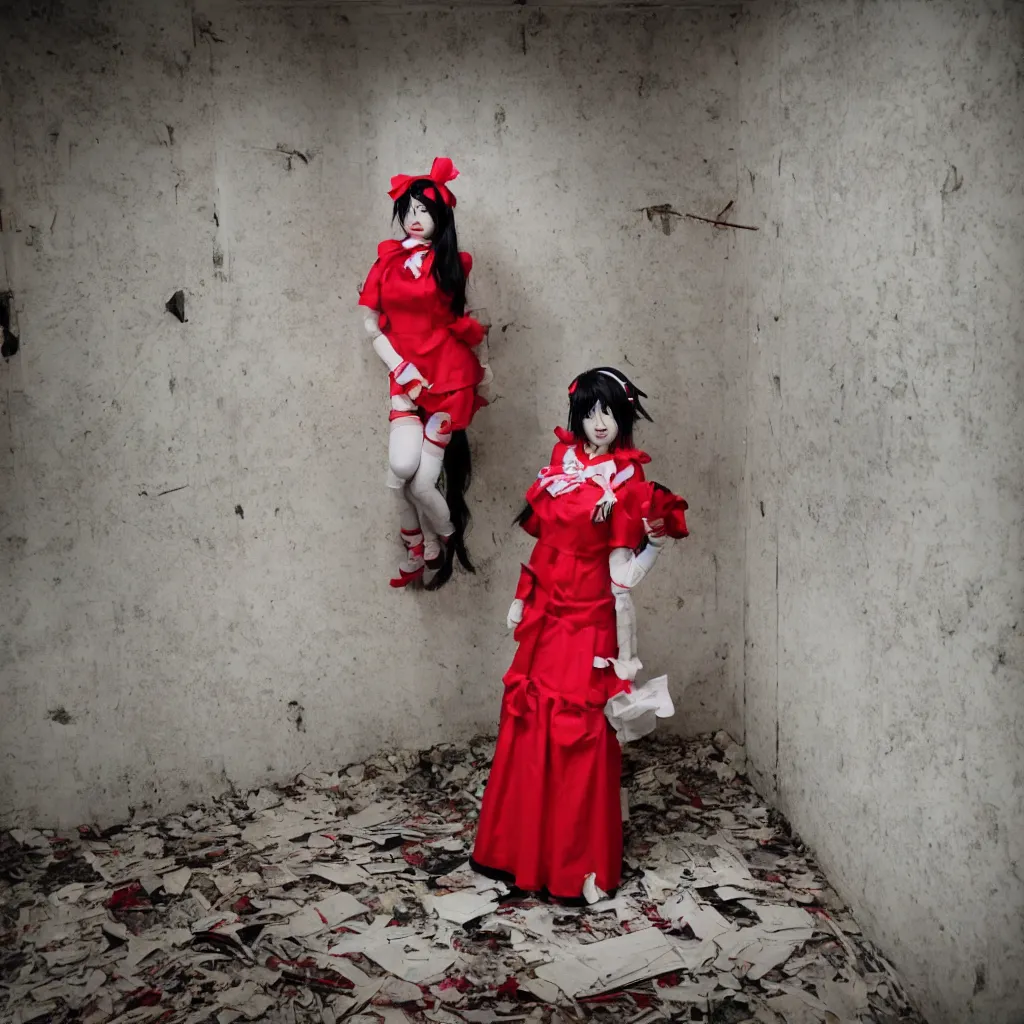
417 318
551 813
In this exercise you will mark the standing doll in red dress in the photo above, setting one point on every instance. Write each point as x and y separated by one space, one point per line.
551 815
416 295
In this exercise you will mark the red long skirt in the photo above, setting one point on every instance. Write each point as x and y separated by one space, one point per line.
551 813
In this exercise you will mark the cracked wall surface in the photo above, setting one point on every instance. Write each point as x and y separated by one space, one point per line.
880 151
195 532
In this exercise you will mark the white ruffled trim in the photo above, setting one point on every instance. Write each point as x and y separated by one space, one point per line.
574 474
626 670
414 263
635 714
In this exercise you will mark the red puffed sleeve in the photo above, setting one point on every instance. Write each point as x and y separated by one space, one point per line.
469 331
531 524
467 262
627 520
527 581
555 462
369 294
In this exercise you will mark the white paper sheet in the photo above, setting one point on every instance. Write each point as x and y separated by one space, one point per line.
705 922
462 906
612 963
403 952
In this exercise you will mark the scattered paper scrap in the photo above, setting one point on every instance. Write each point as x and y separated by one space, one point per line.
346 897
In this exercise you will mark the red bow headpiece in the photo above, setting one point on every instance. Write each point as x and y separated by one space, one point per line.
441 172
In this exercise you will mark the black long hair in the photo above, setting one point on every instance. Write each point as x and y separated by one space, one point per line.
447 272
458 472
451 279
617 394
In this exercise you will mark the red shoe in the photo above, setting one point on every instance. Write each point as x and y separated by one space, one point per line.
411 570
405 579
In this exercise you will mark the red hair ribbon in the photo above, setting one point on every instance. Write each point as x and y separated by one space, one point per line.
441 172
572 386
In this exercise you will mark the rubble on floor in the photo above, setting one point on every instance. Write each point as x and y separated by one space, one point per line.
347 896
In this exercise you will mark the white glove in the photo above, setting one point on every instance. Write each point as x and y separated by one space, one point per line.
515 614
655 530
409 378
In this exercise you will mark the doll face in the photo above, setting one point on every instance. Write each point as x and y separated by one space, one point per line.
418 223
600 427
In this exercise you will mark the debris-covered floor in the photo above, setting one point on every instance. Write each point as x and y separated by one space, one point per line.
347 896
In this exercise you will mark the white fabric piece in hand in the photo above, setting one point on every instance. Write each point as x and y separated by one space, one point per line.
635 714
515 616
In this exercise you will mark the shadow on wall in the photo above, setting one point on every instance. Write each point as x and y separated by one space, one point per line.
10 339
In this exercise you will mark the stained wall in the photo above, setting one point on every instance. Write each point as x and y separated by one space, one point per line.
880 148
195 533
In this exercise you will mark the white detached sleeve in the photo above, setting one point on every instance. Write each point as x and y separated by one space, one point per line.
634 714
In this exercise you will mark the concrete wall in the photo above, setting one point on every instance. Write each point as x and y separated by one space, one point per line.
195 533
881 154
156 645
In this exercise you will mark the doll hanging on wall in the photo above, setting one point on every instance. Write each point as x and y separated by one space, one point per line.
416 295
551 817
